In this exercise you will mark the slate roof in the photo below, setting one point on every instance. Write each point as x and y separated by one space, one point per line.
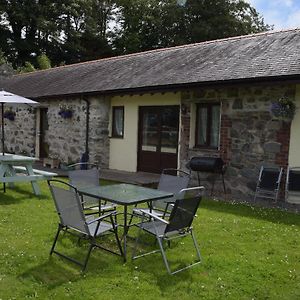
258 56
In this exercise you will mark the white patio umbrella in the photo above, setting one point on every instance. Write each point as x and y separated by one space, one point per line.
9 98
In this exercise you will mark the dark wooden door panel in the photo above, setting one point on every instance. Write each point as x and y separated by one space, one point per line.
158 138
168 161
44 147
149 162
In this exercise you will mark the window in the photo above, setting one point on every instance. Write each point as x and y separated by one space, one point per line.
207 125
118 121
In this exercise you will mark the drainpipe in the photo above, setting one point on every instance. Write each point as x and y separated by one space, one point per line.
85 156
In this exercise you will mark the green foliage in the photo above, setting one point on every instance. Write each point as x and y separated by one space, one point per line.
6 69
3 59
28 67
43 62
77 30
149 24
248 253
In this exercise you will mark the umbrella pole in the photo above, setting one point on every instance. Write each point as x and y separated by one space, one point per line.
2 116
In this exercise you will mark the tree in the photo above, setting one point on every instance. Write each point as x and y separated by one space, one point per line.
85 28
150 24
6 70
70 31
44 62
65 30
3 59
28 67
30 27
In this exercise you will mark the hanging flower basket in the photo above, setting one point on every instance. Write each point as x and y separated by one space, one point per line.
10 115
65 112
284 108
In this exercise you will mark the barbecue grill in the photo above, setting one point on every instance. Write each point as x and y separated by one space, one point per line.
208 164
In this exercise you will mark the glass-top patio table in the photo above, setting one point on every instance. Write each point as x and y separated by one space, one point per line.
125 194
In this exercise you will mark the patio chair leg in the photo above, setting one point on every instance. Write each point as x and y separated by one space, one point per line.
119 243
165 257
136 243
79 240
92 245
116 221
137 239
55 239
196 245
169 243
115 229
132 215
163 254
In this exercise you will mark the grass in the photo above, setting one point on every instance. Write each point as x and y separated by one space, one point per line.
248 253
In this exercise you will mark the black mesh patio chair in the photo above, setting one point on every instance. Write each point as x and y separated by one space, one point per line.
73 221
292 189
83 175
268 183
172 181
179 225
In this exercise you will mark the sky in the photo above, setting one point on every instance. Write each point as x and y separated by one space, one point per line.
283 14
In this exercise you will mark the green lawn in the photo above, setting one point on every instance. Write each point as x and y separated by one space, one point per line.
248 253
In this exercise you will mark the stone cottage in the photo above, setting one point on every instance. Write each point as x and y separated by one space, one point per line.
157 109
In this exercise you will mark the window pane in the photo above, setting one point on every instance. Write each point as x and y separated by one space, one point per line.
202 126
169 133
208 125
150 132
215 126
118 121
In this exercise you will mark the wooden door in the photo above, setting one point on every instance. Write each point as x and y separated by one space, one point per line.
158 138
44 147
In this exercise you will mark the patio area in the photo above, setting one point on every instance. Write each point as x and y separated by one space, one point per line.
151 180
139 178
248 253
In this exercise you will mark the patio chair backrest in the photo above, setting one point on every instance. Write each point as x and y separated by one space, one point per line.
68 205
172 183
184 211
269 178
83 179
293 179
82 166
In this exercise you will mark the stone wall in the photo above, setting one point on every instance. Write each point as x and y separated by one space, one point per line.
20 132
65 137
98 133
249 136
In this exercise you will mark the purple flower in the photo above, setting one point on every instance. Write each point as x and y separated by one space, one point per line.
283 108
65 113
10 115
